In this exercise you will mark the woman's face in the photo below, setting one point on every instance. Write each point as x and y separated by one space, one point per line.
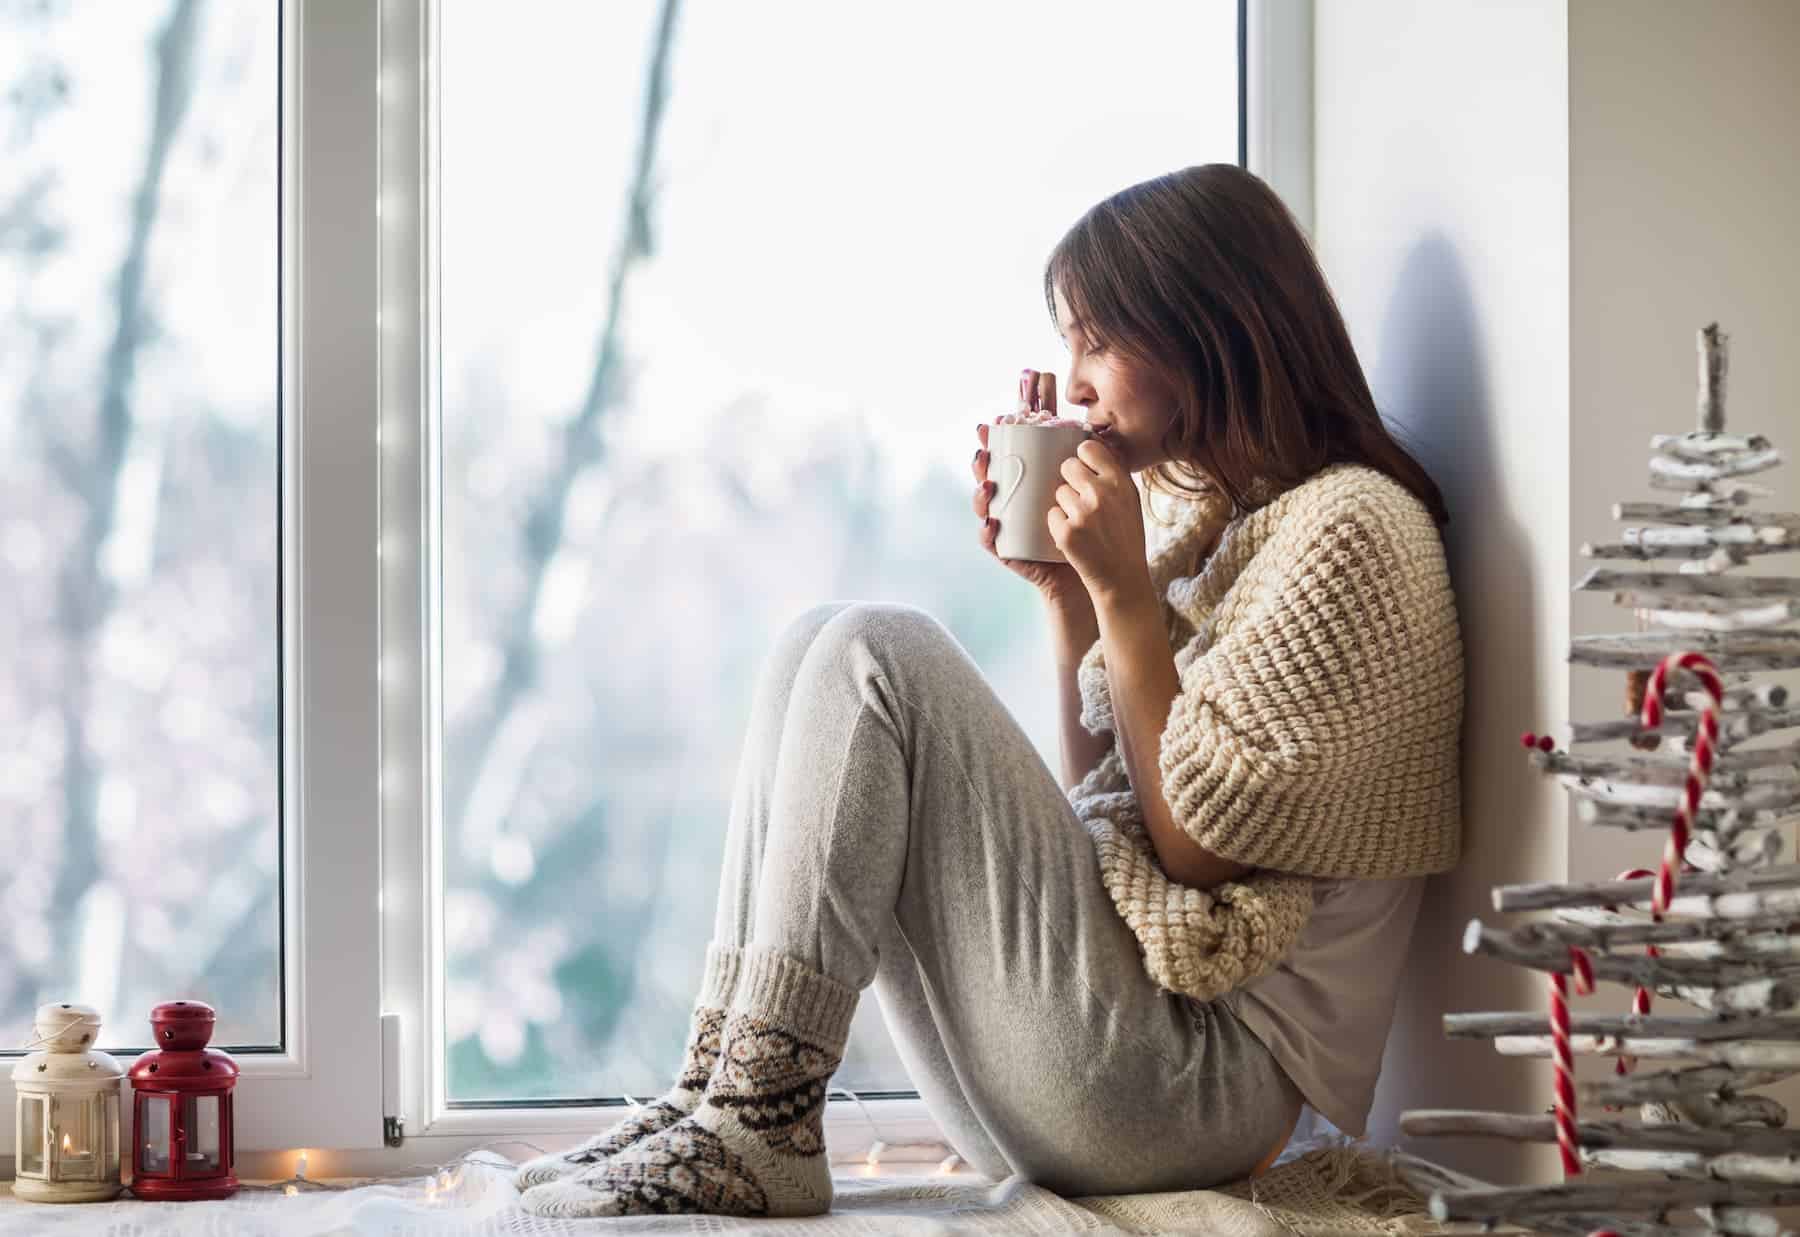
1126 405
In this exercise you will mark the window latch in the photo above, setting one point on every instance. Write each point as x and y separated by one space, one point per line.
393 1118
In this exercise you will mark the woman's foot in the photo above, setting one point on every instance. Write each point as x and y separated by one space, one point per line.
756 1144
716 988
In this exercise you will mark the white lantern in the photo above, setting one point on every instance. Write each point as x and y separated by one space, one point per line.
67 1132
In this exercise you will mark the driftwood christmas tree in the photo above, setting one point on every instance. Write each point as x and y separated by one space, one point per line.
1713 925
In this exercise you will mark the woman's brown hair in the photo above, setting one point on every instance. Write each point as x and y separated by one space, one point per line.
1203 277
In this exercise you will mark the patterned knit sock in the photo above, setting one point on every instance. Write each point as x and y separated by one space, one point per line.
716 987
756 1144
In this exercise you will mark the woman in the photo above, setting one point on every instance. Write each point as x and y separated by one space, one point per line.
1131 979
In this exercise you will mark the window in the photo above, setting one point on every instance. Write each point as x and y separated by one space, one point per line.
185 680
398 533
686 395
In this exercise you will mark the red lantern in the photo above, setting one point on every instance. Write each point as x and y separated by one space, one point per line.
182 1102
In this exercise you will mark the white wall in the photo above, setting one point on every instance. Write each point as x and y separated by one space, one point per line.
1684 199
1526 210
1441 205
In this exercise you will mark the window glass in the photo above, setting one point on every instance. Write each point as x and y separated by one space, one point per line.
75 1137
139 647
200 1121
153 1132
31 1134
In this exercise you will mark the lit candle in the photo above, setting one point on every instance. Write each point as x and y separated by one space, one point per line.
70 1155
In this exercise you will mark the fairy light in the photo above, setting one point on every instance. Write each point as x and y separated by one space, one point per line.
948 1164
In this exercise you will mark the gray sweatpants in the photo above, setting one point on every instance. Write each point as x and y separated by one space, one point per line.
892 824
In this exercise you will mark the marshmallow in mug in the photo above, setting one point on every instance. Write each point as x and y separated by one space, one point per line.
1042 419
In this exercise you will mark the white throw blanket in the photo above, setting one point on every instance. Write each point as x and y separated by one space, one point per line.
1337 1188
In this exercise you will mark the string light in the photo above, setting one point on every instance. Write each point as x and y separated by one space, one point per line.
441 1180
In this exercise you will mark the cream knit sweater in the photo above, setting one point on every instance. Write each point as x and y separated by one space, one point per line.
1317 729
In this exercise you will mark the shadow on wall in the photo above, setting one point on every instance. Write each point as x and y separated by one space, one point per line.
1431 382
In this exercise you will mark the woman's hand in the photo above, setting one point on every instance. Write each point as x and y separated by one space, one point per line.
1098 524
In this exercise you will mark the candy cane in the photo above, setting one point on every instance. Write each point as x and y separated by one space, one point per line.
1559 1024
1565 1062
1640 1000
1706 738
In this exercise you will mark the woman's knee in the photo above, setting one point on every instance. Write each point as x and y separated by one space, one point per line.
887 624
791 644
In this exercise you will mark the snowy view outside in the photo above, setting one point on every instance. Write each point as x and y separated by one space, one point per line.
139 807
849 212
845 225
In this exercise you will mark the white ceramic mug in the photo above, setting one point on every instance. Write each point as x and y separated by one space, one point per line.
1025 465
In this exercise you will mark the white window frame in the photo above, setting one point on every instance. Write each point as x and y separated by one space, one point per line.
361 515
1278 99
324 1089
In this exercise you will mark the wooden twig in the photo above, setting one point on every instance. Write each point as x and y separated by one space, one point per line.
1454 1123
1700 540
1715 358
1708 501
1723 822
1749 849
1426 1178
1703 447
1732 490
1676 584
1734 1055
1759 996
1750 697
1731 1166
1539 895
1740 724
1731 770
1685 1026
1691 474
1757 796
1737 1222
1594 927
1710 1113
1679 1083
1698 543
1779 945
1535 1203
1706 517
1735 650
1639 969
1770 614
1647 599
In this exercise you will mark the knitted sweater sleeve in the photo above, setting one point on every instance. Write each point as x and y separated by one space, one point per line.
1310 736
